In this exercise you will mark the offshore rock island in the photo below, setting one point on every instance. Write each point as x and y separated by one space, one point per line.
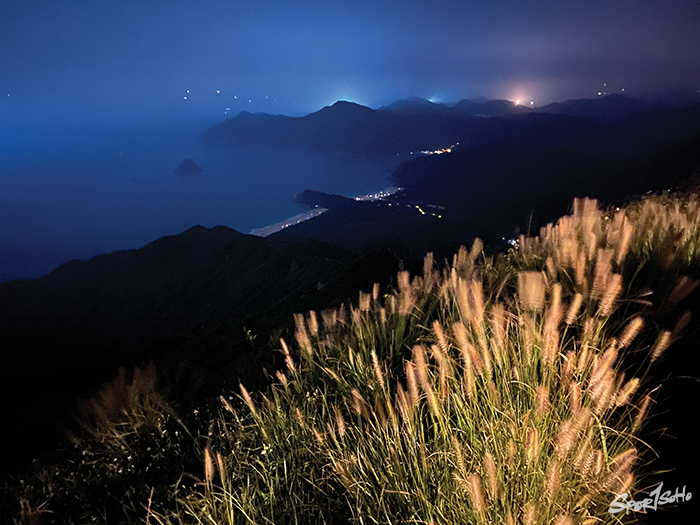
188 167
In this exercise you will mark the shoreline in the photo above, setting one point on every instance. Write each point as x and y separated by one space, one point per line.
301 217
274 228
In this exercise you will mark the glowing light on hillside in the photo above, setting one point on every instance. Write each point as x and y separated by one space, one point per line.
517 101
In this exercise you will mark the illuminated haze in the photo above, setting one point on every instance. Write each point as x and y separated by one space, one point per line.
136 60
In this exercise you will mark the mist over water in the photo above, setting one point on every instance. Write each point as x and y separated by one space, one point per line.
76 192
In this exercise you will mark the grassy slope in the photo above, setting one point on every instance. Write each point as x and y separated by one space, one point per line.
496 390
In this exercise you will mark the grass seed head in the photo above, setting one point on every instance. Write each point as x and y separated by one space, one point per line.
440 335
565 438
623 248
580 269
530 513
208 465
641 413
620 469
499 328
412 383
552 478
226 404
603 272
612 290
365 302
663 341
680 325
403 404
340 421
623 396
532 444
491 475
575 397
249 401
300 418
572 313
313 323
378 370
631 331
531 289
460 458
221 464
510 454
684 287
476 493
541 401
359 404
563 519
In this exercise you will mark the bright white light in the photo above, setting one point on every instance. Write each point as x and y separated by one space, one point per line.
517 101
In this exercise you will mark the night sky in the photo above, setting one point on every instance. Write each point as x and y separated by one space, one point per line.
99 100
138 59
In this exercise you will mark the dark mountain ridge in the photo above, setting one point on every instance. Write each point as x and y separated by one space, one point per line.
194 303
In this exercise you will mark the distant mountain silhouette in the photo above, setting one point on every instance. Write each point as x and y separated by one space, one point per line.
413 124
490 108
416 105
344 127
603 109
187 167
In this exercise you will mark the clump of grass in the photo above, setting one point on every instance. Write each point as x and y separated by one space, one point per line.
461 398
127 450
124 409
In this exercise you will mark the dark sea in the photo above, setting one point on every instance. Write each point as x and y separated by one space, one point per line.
79 192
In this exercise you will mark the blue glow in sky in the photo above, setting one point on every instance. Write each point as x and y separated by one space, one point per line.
91 59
